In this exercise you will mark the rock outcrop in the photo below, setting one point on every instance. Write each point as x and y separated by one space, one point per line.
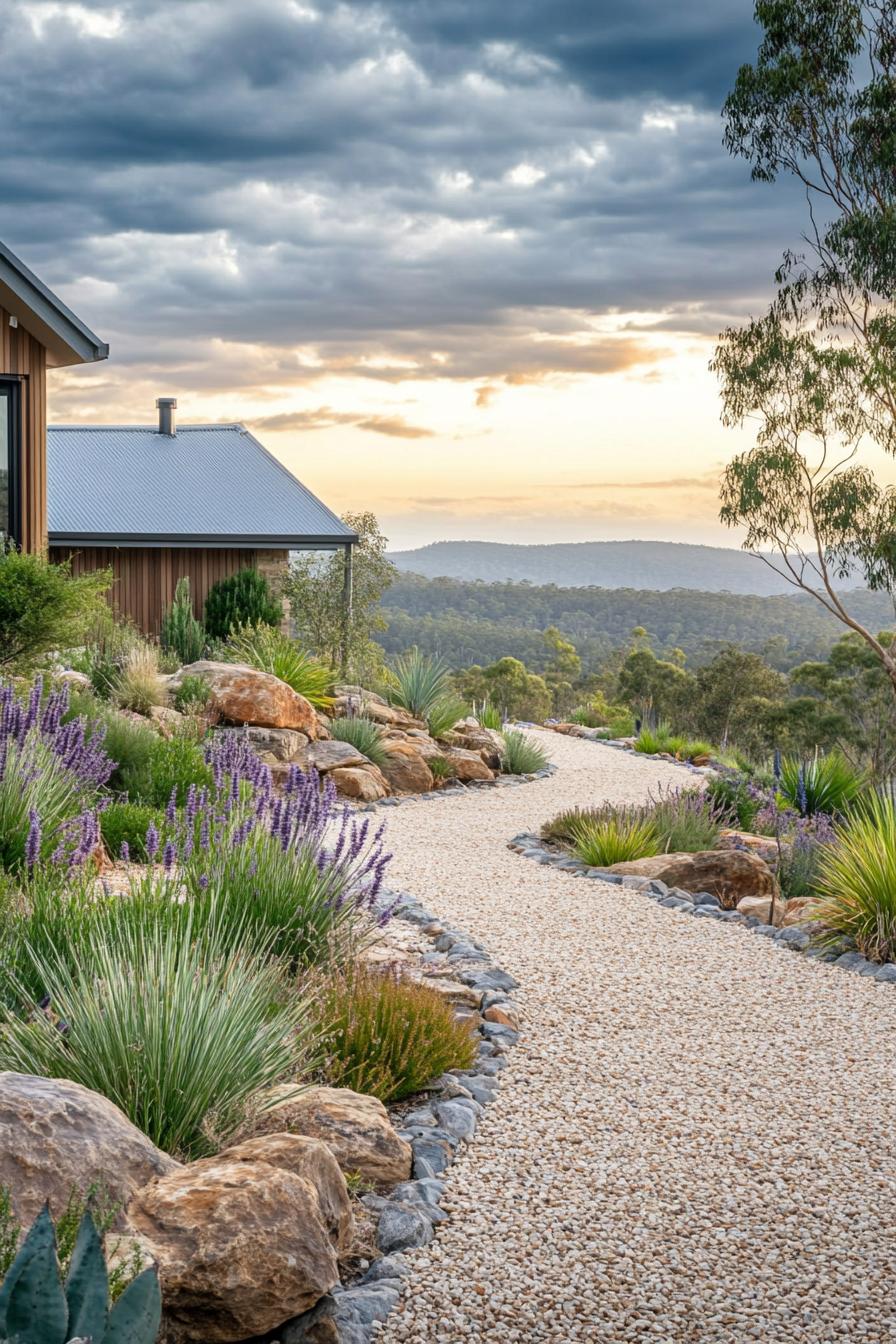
729 874
242 694
355 1126
406 769
57 1136
246 1240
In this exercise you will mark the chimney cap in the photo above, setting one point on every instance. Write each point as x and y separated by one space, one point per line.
166 407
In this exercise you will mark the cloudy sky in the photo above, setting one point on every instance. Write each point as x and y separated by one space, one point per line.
458 261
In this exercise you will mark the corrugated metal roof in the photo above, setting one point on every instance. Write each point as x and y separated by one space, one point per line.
65 337
208 484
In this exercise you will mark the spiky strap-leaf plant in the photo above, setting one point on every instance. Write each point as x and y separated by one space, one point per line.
36 1307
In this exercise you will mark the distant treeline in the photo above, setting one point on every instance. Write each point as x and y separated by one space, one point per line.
474 622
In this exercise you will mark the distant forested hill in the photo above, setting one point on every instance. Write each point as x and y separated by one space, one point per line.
481 622
653 565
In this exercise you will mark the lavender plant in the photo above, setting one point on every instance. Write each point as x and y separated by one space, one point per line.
295 874
51 773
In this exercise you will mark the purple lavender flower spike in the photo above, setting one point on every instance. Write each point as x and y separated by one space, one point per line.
152 842
125 852
169 856
171 809
32 844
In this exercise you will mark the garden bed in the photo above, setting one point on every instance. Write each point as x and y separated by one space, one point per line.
703 905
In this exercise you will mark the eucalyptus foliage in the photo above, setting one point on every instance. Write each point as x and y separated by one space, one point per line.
818 371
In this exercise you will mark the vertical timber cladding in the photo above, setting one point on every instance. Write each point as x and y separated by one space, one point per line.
145 577
24 358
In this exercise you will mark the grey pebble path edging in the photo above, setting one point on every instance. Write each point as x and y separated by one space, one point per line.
704 906
436 1129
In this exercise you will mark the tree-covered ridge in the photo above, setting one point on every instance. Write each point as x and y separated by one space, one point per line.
482 622
603 564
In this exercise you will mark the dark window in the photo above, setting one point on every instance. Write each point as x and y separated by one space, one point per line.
10 460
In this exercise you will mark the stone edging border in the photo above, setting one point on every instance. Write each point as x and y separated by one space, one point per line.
455 788
704 906
436 1129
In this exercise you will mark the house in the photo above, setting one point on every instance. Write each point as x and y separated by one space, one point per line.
152 502
37 332
158 502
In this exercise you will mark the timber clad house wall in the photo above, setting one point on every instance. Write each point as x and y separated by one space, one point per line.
37 332
23 410
144 579
153 503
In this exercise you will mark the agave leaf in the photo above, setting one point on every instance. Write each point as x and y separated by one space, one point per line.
137 1315
87 1285
40 1234
35 1311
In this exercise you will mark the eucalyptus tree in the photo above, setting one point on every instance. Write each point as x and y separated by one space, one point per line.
818 370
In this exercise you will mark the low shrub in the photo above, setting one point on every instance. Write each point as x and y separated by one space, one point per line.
193 695
138 687
601 841
123 827
685 820
587 717
271 651
827 784
444 714
856 880
44 607
182 634
243 599
172 766
621 725
419 682
735 798
801 855
212 1029
388 1036
363 734
520 755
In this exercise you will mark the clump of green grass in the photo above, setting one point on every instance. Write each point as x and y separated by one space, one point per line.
490 716
176 1033
441 767
617 838
520 755
856 880
827 784
444 714
419 682
138 687
270 650
363 734
388 1036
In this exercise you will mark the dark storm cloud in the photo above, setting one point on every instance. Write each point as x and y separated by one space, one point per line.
411 188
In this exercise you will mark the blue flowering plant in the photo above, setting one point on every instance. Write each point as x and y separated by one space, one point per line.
52 773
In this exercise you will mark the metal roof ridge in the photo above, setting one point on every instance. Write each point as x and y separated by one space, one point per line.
148 429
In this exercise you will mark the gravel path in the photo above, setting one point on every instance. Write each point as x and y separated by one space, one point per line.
694 1139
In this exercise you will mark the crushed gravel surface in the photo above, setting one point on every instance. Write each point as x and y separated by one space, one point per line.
694 1139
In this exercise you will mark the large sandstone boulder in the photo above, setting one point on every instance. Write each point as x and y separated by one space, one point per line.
484 741
246 1240
283 744
56 1136
406 769
729 874
334 755
242 694
365 783
468 765
764 847
355 1126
